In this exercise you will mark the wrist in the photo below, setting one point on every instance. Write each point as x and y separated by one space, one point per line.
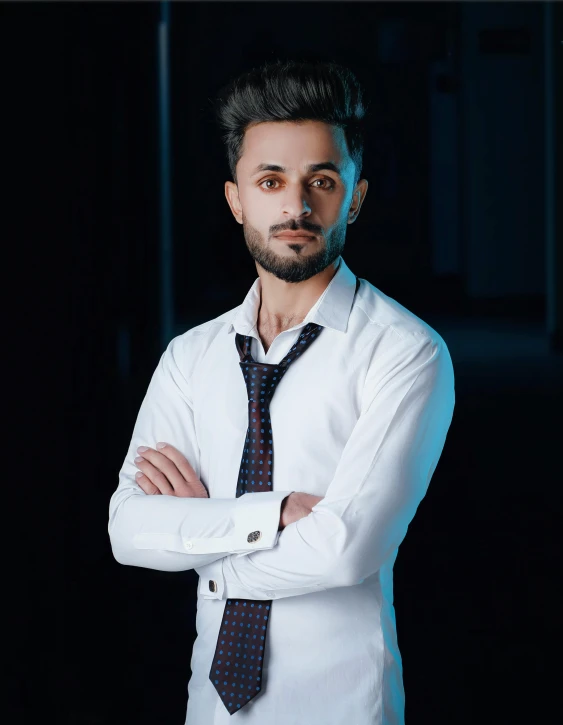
283 506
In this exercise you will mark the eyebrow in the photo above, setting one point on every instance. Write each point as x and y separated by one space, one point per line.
328 165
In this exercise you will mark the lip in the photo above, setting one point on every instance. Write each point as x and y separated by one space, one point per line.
295 235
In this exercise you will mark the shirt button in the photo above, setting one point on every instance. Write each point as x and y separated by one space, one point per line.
188 544
212 586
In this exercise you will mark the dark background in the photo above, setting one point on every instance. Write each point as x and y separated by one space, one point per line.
461 224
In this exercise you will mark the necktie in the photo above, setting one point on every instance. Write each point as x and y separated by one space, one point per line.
237 665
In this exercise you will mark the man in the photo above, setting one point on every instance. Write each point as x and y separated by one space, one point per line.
356 426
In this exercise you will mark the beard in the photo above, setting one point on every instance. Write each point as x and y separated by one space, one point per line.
301 264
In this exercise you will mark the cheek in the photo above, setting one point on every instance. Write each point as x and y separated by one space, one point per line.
256 203
334 218
261 212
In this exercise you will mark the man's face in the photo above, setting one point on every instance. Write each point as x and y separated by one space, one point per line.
269 202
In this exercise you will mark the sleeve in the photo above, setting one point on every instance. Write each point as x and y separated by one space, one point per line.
177 534
383 474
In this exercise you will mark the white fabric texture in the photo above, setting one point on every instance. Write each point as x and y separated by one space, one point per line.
362 420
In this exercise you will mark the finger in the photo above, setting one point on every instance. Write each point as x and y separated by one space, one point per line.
156 463
165 462
180 461
155 475
145 485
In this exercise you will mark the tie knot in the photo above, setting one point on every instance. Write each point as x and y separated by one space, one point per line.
262 379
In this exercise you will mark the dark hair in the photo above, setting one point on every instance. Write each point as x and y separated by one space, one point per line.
292 90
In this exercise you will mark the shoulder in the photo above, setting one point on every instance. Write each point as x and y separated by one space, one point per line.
186 350
396 340
401 348
389 320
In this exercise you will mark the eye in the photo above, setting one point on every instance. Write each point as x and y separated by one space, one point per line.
331 184
266 180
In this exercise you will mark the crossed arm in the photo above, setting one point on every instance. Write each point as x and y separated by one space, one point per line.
382 476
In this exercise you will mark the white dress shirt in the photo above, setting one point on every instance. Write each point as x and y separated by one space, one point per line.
360 419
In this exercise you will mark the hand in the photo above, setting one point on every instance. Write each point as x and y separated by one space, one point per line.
166 471
296 506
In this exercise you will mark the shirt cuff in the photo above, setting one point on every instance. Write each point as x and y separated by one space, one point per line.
256 523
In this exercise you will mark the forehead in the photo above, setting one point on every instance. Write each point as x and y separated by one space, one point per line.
293 145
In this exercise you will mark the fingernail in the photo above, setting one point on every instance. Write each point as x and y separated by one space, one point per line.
161 445
138 459
139 475
141 449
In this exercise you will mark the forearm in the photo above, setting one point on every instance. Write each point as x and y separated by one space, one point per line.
177 534
298 565
381 478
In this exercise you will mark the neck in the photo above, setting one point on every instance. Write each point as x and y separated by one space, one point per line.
285 304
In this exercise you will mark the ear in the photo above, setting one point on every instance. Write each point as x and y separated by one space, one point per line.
357 200
231 194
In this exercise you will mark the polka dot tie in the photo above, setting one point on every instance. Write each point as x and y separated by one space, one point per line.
236 671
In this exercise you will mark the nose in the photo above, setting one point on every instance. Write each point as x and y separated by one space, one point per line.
295 203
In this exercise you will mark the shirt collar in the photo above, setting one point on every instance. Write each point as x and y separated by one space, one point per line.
332 309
